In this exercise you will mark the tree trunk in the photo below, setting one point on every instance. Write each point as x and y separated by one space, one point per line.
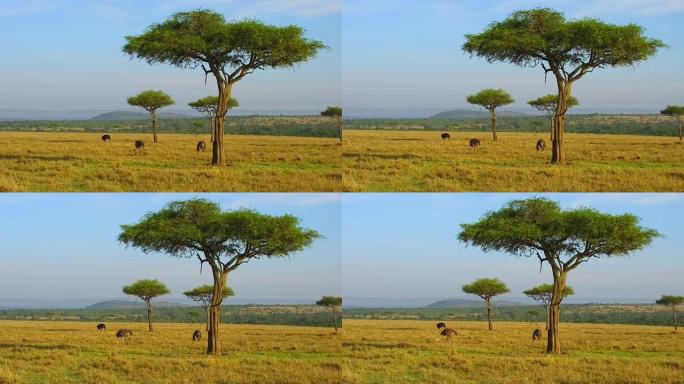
213 342
493 112
679 126
206 308
335 320
149 315
553 336
211 128
225 90
564 93
489 313
551 129
154 124
674 312
548 315
339 128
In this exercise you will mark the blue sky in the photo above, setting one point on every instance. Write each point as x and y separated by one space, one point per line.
407 54
69 53
405 246
63 246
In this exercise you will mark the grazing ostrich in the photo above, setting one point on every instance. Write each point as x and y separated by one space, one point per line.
536 335
196 336
448 333
474 144
541 144
201 146
139 145
441 326
101 327
446 136
123 334
106 138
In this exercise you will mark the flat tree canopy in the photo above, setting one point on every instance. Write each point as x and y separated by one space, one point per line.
151 100
330 301
491 98
208 105
543 293
486 288
670 301
146 289
547 104
673 110
204 293
332 112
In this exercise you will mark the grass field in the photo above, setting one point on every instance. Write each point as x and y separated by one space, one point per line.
419 161
74 352
56 162
402 351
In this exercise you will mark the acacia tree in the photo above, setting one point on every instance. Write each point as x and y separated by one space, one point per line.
335 113
672 302
151 101
203 295
542 294
224 240
491 99
547 104
146 290
568 49
334 303
486 289
676 111
228 50
208 106
562 238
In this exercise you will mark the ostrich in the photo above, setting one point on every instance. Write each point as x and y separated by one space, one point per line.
101 327
201 146
446 136
196 336
474 144
123 334
139 145
537 334
541 144
106 138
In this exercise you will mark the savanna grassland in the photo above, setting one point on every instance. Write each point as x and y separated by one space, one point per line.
70 162
405 351
74 352
415 161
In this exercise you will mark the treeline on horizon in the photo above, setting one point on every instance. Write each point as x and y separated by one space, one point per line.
294 315
647 125
571 313
304 126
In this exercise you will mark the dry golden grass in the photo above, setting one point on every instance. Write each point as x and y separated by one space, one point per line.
56 162
420 161
406 352
74 352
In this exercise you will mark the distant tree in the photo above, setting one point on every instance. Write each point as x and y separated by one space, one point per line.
146 290
196 125
676 111
336 113
486 289
562 238
491 99
568 49
531 315
542 294
228 50
224 240
548 103
672 302
334 303
151 101
204 295
209 105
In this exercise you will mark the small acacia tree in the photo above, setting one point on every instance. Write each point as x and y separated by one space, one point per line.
672 302
334 303
491 99
146 290
564 239
542 294
676 111
208 106
203 295
224 240
568 49
547 104
228 51
335 113
486 289
151 101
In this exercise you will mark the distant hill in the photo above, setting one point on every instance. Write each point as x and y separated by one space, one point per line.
130 115
119 304
465 303
473 113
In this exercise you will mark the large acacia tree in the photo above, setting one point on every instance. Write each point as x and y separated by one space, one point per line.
486 289
491 99
564 239
567 49
676 111
672 302
203 295
146 290
224 240
151 101
334 303
335 113
227 50
208 106
547 104
542 294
